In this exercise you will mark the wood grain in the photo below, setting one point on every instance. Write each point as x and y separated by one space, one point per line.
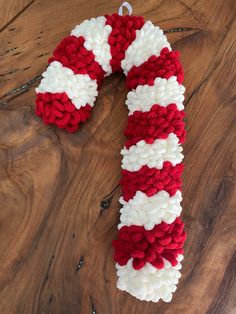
10 10
59 192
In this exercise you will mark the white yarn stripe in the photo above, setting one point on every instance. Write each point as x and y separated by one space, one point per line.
149 283
152 155
146 211
80 88
96 33
163 93
149 41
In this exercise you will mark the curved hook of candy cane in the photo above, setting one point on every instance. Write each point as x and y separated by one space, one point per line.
149 248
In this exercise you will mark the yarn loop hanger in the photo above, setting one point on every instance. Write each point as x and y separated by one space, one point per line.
127 6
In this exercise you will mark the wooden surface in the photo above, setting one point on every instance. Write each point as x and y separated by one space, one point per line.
55 227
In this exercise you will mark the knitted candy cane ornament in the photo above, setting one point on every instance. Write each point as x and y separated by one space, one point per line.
149 248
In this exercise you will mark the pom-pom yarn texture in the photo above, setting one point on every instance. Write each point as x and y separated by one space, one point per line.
149 248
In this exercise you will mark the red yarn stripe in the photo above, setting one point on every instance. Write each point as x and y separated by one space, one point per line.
164 241
58 109
164 66
157 123
151 180
122 35
73 55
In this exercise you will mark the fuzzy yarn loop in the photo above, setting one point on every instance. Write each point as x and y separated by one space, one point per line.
127 6
150 245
